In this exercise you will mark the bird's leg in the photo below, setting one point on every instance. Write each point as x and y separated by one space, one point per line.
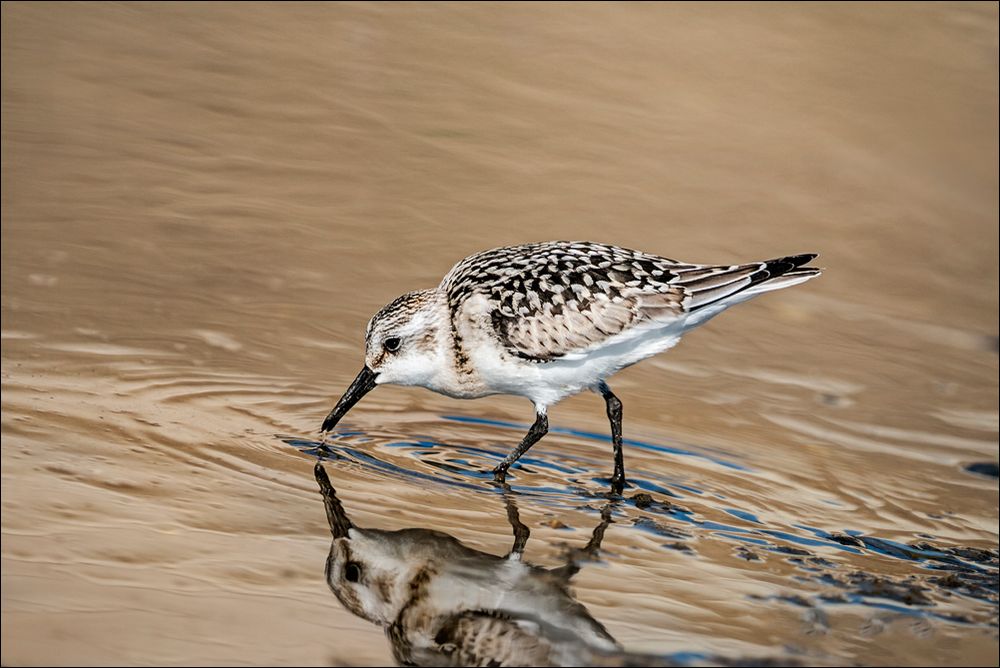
538 429
594 544
521 532
614 406
575 556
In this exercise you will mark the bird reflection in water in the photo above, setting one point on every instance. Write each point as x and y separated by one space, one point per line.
444 604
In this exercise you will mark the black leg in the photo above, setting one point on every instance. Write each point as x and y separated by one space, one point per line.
521 532
538 429
574 556
614 406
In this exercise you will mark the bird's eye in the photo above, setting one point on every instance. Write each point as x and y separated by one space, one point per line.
352 571
392 344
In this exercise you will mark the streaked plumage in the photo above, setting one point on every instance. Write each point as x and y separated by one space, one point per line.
549 320
565 299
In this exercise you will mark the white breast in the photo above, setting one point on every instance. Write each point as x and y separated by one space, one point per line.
546 383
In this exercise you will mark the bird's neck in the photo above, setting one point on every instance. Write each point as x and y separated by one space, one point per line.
454 372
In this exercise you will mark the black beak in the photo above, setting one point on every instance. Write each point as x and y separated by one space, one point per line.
339 524
362 385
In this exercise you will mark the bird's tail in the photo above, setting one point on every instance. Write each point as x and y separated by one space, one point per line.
713 285
785 272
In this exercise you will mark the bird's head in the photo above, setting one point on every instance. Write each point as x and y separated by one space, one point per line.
375 573
362 569
403 346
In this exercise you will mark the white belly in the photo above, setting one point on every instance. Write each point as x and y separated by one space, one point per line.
546 383
495 371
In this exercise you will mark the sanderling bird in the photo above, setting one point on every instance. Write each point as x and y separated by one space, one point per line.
548 320
442 603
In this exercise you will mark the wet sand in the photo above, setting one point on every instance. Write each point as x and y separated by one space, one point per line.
202 206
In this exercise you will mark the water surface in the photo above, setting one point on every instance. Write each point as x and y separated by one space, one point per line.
202 206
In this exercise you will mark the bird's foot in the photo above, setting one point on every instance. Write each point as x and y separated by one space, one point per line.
617 485
500 474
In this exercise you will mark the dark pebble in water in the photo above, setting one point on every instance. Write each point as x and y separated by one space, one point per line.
979 585
642 500
960 619
785 549
836 400
904 592
974 554
813 563
795 599
844 539
951 581
747 553
681 547
659 528
821 562
991 469
968 553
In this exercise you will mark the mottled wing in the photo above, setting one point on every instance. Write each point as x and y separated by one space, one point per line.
558 299
555 298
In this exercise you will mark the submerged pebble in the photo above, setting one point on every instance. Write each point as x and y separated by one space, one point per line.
991 469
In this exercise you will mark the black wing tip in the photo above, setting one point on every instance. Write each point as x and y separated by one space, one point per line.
783 265
794 260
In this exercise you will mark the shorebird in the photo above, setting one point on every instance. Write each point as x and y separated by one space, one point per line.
442 603
548 320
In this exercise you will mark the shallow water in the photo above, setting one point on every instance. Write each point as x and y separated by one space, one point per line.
203 205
